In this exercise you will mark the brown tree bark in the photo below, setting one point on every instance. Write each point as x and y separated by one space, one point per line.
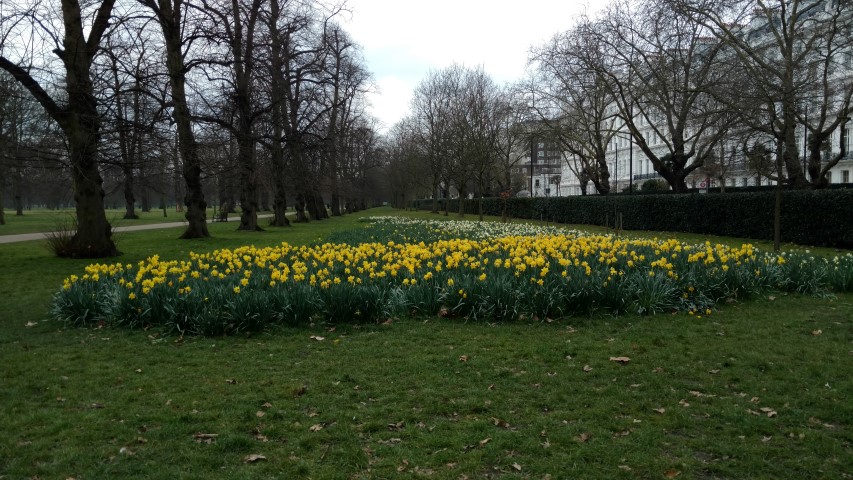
80 122
168 13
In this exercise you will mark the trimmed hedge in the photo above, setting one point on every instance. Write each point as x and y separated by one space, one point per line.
809 217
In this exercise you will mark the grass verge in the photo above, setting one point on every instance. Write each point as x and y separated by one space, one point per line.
757 390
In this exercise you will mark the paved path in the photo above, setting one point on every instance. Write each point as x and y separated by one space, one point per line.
26 237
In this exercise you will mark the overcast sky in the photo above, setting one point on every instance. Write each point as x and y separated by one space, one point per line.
404 39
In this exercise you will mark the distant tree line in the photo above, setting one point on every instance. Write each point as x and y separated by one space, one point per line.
697 86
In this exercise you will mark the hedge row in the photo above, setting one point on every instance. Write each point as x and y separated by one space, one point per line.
809 217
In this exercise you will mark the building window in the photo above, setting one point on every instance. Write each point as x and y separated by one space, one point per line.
541 144
845 176
537 183
540 154
828 177
743 181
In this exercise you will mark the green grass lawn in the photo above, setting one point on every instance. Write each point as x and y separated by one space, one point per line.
756 390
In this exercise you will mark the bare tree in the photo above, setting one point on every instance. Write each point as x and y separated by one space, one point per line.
134 108
237 24
661 68
179 33
347 81
405 165
510 137
573 101
431 112
76 109
792 54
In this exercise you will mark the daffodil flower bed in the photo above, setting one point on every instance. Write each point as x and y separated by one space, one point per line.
464 271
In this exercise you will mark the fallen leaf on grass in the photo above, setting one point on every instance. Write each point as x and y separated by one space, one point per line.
396 426
583 437
671 473
683 403
266 405
660 410
814 332
769 411
766 439
620 360
252 458
484 441
230 381
260 413
31 324
463 358
587 368
317 338
316 427
500 423
516 466
771 298
625 467
621 434
205 437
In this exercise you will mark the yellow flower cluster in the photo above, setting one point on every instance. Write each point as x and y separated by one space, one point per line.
534 257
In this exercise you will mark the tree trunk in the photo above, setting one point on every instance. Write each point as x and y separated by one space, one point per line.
145 201
18 191
81 125
171 23
129 199
249 187
2 193
176 177
242 51
299 206
434 196
93 238
278 114
311 205
322 211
